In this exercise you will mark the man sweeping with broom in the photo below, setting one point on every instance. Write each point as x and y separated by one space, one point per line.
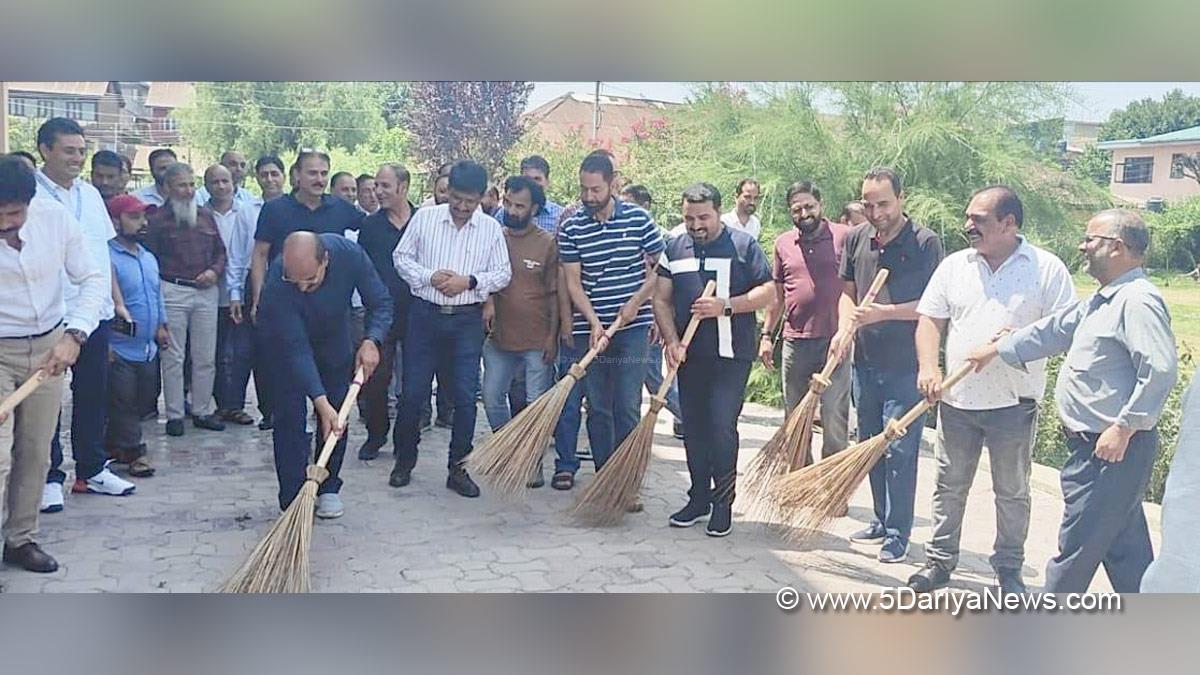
714 370
305 309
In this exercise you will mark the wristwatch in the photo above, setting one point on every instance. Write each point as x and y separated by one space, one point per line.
474 282
728 307
77 335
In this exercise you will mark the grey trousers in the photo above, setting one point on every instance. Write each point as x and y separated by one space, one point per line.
25 436
802 358
192 322
1009 435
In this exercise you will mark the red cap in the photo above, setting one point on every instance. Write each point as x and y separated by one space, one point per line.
124 204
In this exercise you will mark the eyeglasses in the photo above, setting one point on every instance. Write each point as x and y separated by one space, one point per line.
1089 238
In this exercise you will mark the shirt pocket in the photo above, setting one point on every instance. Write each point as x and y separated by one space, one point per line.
1093 352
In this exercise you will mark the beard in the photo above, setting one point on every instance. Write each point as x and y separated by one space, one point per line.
185 212
512 222
808 225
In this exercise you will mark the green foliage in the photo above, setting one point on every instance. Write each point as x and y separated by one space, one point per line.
1094 165
1175 236
1051 448
465 120
1150 117
22 134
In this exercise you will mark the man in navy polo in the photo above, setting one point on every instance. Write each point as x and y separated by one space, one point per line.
885 355
715 368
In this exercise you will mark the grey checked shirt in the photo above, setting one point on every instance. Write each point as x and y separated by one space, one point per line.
1121 359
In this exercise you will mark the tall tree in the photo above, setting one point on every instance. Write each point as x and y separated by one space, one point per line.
1140 119
465 120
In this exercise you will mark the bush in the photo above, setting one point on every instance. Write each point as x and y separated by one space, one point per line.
1051 448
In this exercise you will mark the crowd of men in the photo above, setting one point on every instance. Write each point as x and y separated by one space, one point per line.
192 290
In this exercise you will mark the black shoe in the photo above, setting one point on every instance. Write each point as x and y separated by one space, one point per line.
538 480
400 477
690 514
460 482
30 557
1010 581
209 422
677 430
174 427
720 523
929 578
267 423
369 449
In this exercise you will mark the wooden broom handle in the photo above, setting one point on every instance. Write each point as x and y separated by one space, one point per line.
610 332
872 291
14 399
688 333
343 416
923 407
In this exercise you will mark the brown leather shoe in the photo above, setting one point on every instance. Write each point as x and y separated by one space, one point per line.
141 467
31 557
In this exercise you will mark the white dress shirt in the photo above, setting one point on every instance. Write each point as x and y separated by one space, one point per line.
227 225
978 302
33 278
86 207
355 299
239 250
1176 569
434 243
752 226
240 195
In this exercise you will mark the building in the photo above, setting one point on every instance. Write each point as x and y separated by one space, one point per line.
99 107
572 115
163 99
1146 171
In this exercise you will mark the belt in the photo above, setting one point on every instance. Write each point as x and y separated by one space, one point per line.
34 337
190 283
451 310
1085 436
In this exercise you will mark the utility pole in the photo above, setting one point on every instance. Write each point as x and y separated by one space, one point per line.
596 114
3 117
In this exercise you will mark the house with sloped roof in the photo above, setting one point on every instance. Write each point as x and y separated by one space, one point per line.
1147 172
622 118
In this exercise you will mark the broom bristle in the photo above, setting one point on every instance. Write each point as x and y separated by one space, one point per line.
606 499
507 459
811 498
279 564
783 453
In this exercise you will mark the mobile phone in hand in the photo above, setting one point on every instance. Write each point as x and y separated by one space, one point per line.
124 327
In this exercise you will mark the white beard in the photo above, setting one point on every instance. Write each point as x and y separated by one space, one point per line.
185 212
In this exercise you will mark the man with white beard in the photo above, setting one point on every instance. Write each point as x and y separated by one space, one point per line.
191 259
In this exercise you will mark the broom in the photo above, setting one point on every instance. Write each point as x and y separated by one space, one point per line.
812 497
279 564
605 500
10 402
509 457
788 449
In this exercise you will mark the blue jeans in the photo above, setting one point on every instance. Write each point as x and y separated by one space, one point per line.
654 379
886 395
89 411
446 343
566 432
235 359
614 388
293 446
499 371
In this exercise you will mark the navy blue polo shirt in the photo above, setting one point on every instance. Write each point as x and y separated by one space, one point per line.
283 216
910 260
736 262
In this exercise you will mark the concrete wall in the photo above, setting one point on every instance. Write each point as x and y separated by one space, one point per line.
1163 186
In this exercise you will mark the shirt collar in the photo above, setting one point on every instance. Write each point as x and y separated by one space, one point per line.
906 235
1110 289
116 246
446 219
49 182
822 232
1024 250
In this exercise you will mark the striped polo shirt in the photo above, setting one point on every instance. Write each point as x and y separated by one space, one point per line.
612 258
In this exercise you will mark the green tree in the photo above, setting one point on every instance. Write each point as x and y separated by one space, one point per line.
1150 117
22 134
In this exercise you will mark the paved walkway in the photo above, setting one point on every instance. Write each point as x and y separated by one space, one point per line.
188 527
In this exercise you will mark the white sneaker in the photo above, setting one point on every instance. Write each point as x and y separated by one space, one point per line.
329 505
109 483
52 498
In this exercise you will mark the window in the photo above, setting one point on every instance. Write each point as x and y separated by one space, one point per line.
16 107
1136 170
1177 160
75 110
45 108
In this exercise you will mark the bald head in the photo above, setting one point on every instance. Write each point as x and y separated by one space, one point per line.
1127 226
304 260
219 183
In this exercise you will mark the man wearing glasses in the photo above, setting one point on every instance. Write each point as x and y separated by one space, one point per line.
1120 364
306 317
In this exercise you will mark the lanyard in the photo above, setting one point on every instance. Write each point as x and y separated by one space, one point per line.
53 190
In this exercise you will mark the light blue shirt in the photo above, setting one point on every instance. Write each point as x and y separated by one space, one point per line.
1176 569
547 218
1121 360
137 275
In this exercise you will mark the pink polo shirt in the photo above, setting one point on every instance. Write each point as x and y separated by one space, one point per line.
807 269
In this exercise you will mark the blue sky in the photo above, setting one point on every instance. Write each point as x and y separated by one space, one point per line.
1093 100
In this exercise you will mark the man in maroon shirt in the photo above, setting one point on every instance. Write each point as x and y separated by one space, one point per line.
807 288
191 258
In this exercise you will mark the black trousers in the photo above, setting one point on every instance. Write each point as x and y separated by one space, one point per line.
711 392
130 383
374 397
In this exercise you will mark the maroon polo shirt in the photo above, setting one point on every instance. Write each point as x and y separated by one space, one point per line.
806 267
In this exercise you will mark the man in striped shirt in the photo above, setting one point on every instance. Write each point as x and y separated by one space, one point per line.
605 249
452 258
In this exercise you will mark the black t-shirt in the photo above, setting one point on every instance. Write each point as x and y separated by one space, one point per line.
379 239
283 216
910 259
736 262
